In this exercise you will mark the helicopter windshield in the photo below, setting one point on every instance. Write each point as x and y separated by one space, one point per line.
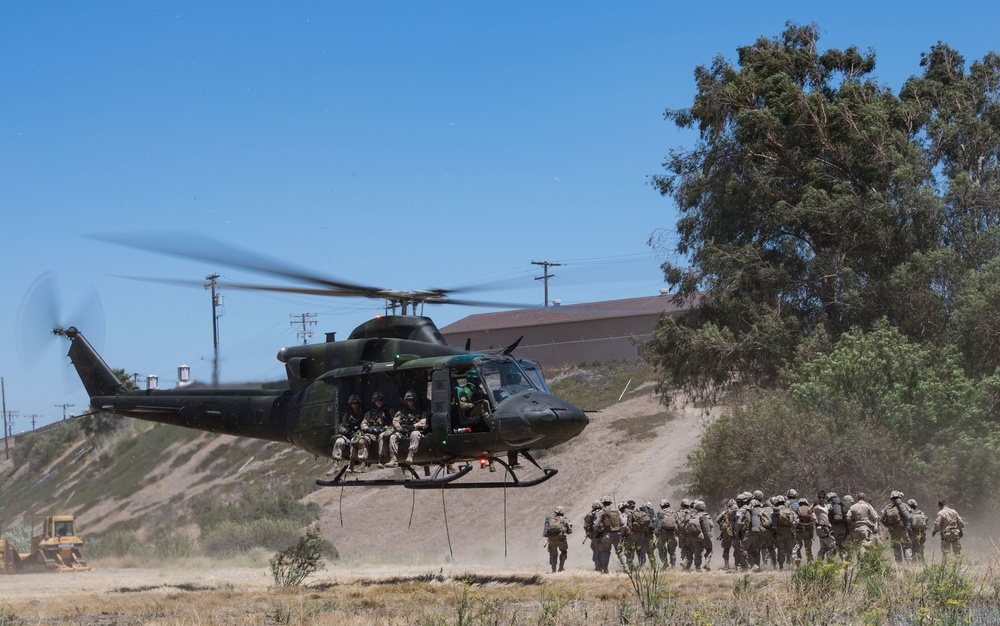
534 372
504 377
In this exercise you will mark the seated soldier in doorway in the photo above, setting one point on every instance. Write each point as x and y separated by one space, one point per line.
410 422
473 401
376 426
350 425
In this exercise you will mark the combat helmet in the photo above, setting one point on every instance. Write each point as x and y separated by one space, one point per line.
685 503
791 494
560 510
758 495
409 395
664 504
699 505
848 499
912 503
896 494
354 399
378 395
778 500
606 500
595 505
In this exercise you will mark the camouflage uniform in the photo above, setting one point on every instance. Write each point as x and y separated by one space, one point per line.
409 422
895 517
701 546
863 519
783 522
768 539
744 519
607 535
588 529
824 532
378 426
640 533
347 432
682 536
949 523
804 530
372 428
838 523
666 534
556 531
726 521
918 530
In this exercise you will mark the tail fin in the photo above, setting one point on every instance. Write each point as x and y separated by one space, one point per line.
97 377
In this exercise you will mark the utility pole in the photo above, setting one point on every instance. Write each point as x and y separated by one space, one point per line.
546 276
306 320
6 434
33 417
10 416
216 303
66 406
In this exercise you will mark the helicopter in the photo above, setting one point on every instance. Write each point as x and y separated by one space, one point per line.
391 355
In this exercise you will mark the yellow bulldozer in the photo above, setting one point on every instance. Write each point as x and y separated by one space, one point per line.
55 547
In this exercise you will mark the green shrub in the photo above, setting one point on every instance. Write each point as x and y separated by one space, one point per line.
229 538
117 544
178 545
293 564
36 450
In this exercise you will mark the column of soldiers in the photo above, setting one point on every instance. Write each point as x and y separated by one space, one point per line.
756 531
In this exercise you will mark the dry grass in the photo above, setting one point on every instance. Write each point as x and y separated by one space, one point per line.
966 593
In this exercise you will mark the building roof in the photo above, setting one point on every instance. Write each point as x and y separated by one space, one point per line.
563 314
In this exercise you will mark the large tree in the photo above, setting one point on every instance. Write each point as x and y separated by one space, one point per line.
816 201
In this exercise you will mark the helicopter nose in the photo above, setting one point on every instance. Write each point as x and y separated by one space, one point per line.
537 420
557 421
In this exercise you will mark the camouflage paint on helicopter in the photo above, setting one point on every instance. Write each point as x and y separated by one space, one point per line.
393 355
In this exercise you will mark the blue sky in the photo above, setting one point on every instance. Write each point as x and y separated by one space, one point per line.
400 145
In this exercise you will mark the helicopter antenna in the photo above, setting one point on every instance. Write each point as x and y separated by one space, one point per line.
341 506
413 505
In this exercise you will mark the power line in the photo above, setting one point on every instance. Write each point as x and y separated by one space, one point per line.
305 320
546 276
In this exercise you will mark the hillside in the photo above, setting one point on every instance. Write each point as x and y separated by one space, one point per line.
144 479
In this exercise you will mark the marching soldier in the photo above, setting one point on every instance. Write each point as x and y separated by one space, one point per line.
666 534
949 523
556 531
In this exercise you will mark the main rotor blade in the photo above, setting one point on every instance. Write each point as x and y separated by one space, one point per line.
190 245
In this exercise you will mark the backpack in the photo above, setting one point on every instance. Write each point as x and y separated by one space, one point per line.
892 517
611 520
692 527
786 517
919 520
554 527
805 515
666 521
640 521
726 526
765 518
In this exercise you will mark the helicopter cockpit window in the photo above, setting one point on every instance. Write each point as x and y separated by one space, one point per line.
504 378
534 372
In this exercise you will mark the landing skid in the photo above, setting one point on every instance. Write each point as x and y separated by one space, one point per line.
440 479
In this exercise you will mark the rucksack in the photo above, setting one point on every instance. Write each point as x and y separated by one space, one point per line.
692 527
554 527
765 518
640 521
786 517
666 520
919 521
805 515
892 517
611 519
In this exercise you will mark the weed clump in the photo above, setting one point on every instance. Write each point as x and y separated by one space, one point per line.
292 565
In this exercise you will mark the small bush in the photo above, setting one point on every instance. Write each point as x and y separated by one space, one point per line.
117 544
293 564
817 579
36 450
177 545
229 538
